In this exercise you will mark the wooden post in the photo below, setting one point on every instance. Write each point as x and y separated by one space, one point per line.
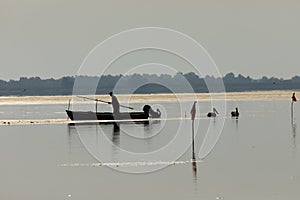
292 111
69 104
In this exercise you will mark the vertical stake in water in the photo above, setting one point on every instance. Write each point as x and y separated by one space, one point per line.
69 104
96 106
292 111
294 99
69 107
193 114
194 164
193 136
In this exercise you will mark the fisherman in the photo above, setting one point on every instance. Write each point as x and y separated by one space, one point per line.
115 103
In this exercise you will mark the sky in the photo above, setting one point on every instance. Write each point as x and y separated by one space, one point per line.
51 38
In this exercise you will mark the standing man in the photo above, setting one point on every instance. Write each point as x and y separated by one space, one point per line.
115 103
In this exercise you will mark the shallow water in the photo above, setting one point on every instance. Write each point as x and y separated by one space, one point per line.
256 157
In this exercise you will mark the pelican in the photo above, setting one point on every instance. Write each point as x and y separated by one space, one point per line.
213 113
235 113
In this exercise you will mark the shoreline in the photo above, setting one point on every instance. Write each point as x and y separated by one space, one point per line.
138 98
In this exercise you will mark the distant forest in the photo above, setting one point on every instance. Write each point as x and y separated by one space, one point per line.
64 86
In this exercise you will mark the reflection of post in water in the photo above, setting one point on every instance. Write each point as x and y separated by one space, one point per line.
194 163
292 111
294 130
294 99
294 127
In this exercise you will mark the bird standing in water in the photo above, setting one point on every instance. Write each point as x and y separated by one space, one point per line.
294 99
213 113
235 113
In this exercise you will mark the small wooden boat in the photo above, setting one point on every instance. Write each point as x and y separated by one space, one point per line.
108 117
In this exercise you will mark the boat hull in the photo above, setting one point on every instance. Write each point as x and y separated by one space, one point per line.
108 117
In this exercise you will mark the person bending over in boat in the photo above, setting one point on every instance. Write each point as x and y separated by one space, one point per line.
115 103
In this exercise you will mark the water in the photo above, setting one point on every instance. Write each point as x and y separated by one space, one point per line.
256 157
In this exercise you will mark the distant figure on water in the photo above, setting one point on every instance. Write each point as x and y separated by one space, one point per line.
193 111
235 113
213 113
294 99
115 103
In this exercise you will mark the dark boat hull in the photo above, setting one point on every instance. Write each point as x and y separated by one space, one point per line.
108 117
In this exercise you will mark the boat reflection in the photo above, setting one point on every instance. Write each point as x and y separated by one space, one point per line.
93 130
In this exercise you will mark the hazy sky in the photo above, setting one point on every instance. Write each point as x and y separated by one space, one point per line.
50 38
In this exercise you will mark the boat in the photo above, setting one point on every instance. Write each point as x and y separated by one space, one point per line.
108 117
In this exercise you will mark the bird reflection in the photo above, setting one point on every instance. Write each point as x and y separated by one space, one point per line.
237 124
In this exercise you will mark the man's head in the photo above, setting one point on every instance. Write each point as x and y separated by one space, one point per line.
110 94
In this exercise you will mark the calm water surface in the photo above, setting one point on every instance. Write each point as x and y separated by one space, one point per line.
257 156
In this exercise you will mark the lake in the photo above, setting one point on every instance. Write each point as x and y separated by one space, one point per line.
257 155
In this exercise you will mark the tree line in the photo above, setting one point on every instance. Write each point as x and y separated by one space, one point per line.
143 84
